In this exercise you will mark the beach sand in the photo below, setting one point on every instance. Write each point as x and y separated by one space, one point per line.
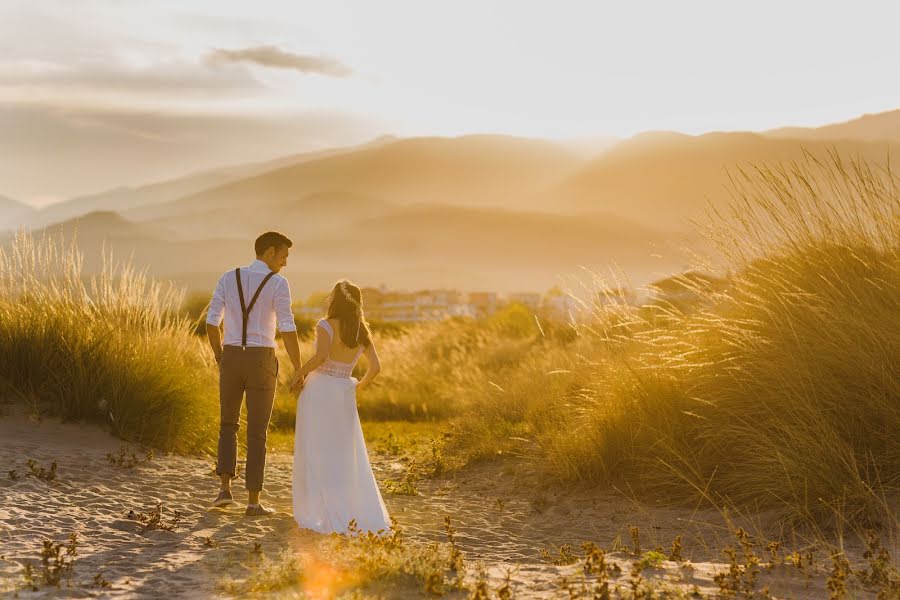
504 515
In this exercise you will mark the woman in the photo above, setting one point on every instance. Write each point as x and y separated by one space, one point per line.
333 481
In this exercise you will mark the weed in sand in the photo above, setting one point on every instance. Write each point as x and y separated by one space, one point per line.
57 562
155 519
39 472
128 458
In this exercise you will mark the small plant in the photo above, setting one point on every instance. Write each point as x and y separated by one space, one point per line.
29 577
739 579
39 472
127 457
438 463
209 542
565 556
675 552
404 487
651 558
56 565
456 555
100 581
635 540
155 519
751 561
879 571
505 591
837 578
392 444
13 475
595 564
775 556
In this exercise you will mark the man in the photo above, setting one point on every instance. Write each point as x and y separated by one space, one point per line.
253 301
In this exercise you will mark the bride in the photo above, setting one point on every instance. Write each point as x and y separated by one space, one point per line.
333 481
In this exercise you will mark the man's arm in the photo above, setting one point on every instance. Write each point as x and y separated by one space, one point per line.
284 316
214 316
292 345
215 340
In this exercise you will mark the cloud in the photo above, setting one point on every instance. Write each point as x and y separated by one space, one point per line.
56 151
276 58
168 78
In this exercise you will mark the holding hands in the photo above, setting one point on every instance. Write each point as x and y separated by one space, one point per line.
297 380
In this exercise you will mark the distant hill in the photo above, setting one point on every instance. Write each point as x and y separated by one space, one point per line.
13 214
665 179
464 171
101 225
130 200
405 247
867 128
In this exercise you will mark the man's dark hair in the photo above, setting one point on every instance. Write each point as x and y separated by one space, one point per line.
271 239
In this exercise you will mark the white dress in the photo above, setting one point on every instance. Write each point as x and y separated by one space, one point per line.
333 480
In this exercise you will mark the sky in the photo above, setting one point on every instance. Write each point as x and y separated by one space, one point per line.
98 93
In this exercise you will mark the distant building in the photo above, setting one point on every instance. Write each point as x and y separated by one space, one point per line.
562 306
425 305
527 299
484 303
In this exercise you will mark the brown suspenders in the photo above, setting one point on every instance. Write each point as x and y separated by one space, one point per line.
245 310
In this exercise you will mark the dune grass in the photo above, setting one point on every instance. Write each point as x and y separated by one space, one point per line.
109 348
780 391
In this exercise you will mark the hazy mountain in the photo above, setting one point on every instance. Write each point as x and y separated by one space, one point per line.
405 247
870 127
13 214
464 171
129 200
664 179
103 226
502 249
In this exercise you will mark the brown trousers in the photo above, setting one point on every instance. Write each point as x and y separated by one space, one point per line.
253 371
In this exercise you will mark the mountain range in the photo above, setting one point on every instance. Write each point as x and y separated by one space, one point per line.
473 212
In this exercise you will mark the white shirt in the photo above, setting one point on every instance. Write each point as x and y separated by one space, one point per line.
272 308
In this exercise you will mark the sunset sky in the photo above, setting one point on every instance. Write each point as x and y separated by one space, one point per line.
98 93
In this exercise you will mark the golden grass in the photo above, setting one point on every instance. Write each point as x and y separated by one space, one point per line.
109 348
778 391
367 562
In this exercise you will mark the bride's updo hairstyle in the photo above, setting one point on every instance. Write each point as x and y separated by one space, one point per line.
345 304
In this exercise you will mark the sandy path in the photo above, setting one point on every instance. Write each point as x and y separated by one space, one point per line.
92 497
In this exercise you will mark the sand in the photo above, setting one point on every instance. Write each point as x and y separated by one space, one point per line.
504 517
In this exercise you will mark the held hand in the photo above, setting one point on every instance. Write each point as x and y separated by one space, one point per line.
297 381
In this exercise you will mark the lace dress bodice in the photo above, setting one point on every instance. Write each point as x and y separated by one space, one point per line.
336 368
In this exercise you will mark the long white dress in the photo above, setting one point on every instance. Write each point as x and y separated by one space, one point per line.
333 480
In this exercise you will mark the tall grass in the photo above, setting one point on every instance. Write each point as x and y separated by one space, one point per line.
783 391
780 391
109 348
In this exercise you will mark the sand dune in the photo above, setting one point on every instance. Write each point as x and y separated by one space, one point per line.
504 517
